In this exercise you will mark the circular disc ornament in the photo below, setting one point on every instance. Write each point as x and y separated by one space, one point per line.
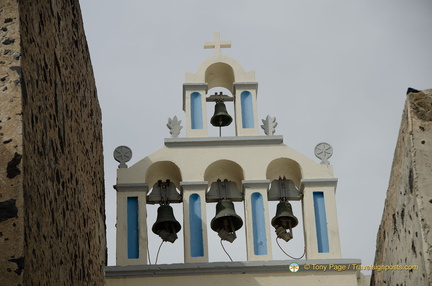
122 154
324 151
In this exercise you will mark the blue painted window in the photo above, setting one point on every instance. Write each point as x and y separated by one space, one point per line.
195 222
196 111
321 222
132 228
258 224
247 110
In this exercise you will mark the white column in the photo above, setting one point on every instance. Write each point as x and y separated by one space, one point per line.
134 197
257 222
250 87
188 90
321 229
195 221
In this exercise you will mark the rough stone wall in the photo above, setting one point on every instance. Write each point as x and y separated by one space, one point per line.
11 146
404 236
51 147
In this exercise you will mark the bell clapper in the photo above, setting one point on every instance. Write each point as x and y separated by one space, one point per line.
227 232
220 128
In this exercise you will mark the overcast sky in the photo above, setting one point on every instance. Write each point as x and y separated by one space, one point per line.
332 71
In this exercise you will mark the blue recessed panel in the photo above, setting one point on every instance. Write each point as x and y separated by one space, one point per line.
132 228
195 222
321 222
196 111
258 224
247 110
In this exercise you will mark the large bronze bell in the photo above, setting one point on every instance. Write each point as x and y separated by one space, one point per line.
166 226
284 220
221 117
226 221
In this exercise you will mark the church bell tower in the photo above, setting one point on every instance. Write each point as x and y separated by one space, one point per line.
253 167
220 71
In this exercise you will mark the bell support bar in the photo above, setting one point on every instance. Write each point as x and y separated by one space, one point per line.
217 97
224 190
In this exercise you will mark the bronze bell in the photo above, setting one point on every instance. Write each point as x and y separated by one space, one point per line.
221 117
284 220
226 221
166 226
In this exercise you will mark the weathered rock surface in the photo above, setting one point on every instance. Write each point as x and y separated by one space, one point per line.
52 218
405 237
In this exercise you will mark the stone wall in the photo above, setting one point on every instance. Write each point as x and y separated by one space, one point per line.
52 218
11 148
404 236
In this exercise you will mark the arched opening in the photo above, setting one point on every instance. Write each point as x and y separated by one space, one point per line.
224 169
291 170
220 74
284 167
163 170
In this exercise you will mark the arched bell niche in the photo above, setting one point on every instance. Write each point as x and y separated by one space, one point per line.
220 75
163 170
224 169
284 167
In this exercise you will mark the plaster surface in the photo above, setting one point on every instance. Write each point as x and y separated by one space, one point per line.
240 273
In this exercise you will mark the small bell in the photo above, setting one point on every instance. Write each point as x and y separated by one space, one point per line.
284 220
226 221
221 117
166 226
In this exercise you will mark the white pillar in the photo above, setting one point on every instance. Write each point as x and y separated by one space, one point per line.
321 230
131 236
258 244
239 88
188 90
195 221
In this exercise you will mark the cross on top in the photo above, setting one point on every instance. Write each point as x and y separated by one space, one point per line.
217 44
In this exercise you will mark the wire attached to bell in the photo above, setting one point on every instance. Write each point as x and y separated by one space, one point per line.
220 118
292 257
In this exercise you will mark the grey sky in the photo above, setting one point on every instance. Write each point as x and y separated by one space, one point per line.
333 71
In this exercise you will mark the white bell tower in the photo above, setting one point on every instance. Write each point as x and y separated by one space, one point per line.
220 71
250 168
